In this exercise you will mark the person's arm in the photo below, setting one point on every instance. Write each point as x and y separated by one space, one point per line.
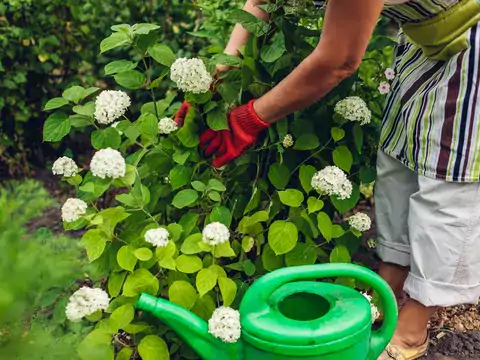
239 35
348 26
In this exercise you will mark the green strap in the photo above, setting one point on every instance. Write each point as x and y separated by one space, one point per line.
445 35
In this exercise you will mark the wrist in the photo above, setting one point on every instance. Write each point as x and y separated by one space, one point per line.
262 111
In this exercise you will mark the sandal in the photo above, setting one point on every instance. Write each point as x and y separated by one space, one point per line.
398 353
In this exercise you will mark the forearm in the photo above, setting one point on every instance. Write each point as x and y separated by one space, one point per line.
314 78
239 35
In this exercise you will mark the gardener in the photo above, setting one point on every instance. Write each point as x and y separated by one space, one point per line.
427 191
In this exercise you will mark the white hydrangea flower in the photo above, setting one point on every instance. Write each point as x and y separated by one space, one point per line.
191 75
110 105
157 237
108 163
384 88
287 141
166 126
360 222
332 181
372 243
215 233
225 324
85 301
73 209
390 74
374 309
65 166
354 108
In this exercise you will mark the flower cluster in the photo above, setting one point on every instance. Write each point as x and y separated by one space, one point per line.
191 75
65 166
354 108
287 141
225 324
108 163
360 222
73 209
373 308
85 301
110 105
332 181
157 237
166 126
372 243
215 233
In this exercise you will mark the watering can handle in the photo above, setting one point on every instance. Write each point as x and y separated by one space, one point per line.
263 288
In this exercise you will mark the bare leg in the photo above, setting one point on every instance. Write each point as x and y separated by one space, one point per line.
412 324
395 276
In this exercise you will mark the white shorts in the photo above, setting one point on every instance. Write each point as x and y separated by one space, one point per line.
433 227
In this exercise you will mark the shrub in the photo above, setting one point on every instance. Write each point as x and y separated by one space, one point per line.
167 233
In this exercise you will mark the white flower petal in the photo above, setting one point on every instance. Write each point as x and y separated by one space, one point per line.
108 163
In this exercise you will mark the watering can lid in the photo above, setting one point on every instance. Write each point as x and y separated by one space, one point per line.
348 314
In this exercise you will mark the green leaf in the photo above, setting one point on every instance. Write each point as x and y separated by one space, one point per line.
259 216
307 141
291 197
217 119
143 29
126 258
200 98
56 127
279 175
358 137
153 347
109 218
162 54
228 289
306 174
325 225
115 283
204 307
165 256
74 94
188 264
218 270
270 260
343 206
221 214
115 40
342 157
124 354
122 316
214 184
119 66
337 231
87 110
131 79
223 250
282 236
337 133
143 254
188 222
314 204
180 176
340 254
185 198
139 281
191 245
302 254
367 174
106 138
94 242
96 346
273 52
252 24
55 103
182 293
205 281
80 121
175 231
226 59
199 186
148 127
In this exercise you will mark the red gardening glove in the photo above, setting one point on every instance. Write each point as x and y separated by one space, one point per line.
182 114
245 127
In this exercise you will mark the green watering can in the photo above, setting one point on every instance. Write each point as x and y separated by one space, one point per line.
287 315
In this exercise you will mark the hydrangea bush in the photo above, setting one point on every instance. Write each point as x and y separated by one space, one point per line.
194 234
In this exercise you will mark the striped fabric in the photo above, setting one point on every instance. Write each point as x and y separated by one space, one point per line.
432 117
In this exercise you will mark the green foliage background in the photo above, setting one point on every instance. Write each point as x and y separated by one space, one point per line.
264 197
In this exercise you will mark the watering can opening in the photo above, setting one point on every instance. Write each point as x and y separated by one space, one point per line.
304 306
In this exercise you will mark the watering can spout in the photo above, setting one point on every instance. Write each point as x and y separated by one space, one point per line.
191 328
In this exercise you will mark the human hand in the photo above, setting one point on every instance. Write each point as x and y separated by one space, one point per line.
226 145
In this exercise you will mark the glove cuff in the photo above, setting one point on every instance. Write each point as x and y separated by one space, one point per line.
248 120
